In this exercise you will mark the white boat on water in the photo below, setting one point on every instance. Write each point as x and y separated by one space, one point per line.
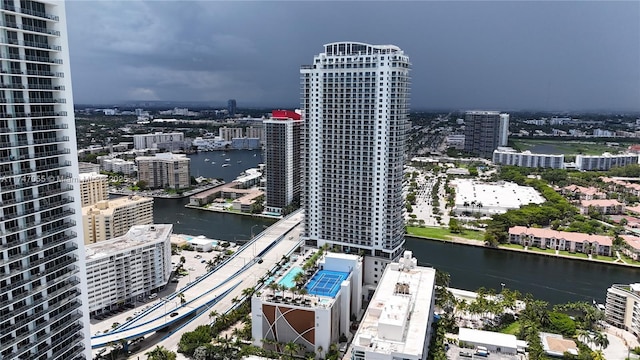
239 161
206 159
213 163
227 159
225 165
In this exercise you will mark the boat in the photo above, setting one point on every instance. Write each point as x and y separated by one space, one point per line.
227 159
213 163
255 155
223 154
225 165
239 161
206 159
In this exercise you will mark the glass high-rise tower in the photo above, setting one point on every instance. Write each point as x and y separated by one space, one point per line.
355 102
43 300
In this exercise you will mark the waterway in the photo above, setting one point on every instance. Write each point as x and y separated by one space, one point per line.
551 279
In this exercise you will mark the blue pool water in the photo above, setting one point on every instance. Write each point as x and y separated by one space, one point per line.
287 280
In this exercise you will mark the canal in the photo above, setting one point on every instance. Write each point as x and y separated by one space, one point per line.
551 279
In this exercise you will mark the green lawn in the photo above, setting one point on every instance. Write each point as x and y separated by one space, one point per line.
443 233
512 329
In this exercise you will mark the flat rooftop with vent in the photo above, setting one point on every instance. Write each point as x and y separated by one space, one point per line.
397 322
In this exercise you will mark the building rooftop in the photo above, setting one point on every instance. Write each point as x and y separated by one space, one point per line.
108 206
556 345
488 337
164 156
138 235
398 315
499 196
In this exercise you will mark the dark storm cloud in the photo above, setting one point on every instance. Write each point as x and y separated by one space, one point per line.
498 55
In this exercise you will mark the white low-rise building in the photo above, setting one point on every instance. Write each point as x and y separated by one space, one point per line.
492 198
509 156
317 317
129 267
604 162
397 323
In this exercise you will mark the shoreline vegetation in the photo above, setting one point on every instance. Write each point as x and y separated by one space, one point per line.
476 238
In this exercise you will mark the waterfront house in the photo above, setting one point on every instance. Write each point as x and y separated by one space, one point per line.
561 240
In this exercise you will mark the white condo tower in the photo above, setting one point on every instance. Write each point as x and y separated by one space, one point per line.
43 299
355 103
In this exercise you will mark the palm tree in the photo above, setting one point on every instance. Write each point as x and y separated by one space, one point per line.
160 353
213 314
210 265
274 286
600 340
248 292
182 299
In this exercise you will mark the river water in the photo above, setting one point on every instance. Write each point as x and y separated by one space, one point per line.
551 279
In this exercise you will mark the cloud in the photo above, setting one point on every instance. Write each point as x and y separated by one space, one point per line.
142 94
499 55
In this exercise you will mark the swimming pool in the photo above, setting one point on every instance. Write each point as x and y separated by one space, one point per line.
287 280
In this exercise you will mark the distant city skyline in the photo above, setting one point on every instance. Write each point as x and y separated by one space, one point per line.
507 56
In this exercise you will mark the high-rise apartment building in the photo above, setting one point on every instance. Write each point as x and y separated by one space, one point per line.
43 298
165 170
504 130
282 149
108 219
355 105
231 107
94 187
482 132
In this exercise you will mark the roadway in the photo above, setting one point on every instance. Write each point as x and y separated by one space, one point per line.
213 291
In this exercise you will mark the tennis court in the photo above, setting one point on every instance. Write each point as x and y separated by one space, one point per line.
326 282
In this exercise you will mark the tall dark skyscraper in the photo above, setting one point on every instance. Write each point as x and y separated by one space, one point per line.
231 107
355 101
482 132
283 136
43 299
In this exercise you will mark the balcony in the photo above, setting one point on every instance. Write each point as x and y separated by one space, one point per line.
45 73
33 44
38 29
45 87
39 14
31 58
38 155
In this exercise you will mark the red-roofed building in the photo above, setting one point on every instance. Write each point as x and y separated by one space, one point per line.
633 250
603 206
584 193
561 240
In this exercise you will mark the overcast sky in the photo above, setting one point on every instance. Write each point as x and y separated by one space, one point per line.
505 55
